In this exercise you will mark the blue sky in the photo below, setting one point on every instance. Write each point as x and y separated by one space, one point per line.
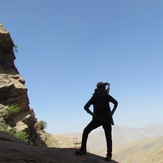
66 46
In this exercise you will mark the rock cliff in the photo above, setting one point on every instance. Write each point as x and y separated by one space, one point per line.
14 93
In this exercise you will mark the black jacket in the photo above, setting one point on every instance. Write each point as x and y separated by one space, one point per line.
100 104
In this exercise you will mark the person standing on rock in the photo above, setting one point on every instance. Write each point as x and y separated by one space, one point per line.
101 116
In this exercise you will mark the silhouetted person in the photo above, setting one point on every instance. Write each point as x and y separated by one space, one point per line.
101 116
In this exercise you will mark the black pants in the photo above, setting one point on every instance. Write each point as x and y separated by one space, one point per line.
106 124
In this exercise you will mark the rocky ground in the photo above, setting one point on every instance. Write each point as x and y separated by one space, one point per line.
13 150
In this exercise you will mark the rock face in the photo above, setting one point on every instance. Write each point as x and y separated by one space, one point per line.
14 92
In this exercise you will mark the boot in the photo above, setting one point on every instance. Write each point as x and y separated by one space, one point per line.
81 151
108 157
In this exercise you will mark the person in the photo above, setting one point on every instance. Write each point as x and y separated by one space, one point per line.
101 116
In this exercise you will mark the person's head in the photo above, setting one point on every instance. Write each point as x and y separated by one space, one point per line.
101 87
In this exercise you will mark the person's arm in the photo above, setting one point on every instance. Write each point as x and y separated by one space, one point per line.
115 103
87 105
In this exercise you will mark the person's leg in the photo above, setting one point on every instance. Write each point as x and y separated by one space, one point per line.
108 134
91 126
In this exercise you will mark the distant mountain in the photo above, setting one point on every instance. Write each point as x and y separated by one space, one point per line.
123 135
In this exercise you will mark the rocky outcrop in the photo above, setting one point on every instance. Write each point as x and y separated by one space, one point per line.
7 56
13 91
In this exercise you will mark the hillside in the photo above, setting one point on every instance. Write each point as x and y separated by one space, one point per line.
145 151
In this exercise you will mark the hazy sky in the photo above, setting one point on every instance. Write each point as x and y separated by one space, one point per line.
66 46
